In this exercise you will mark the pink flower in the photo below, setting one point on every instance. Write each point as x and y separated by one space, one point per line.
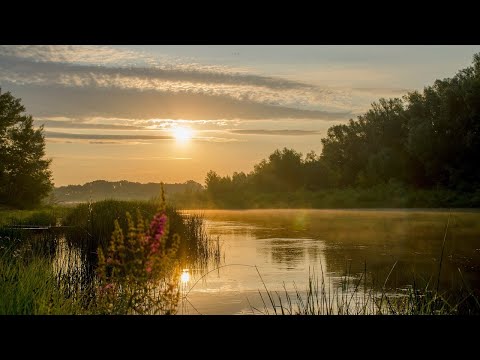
154 247
157 231
149 269
158 226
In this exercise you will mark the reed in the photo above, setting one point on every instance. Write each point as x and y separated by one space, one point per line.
362 297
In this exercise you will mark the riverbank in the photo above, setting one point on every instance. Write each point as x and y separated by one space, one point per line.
384 196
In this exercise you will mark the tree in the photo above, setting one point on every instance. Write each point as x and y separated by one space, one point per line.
25 177
318 175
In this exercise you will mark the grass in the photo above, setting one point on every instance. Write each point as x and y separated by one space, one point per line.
53 271
31 289
30 286
364 297
92 226
49 216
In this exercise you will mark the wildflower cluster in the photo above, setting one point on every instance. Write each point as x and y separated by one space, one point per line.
136 273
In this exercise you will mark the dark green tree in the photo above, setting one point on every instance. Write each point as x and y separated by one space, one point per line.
283 171
318 175
25 177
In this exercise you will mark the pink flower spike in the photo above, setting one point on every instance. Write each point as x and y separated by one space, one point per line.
157 226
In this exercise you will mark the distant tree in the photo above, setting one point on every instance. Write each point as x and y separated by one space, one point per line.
25 177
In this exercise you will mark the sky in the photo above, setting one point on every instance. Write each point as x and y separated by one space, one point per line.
172 113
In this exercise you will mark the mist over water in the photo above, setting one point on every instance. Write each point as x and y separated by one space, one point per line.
285 245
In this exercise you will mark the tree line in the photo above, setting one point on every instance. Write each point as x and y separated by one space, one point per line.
120 190
424 140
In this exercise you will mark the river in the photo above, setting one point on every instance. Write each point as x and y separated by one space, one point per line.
279 249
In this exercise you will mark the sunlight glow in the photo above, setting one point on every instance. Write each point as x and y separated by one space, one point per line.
185 277
182 134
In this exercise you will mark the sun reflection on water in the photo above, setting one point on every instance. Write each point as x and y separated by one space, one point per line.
185 277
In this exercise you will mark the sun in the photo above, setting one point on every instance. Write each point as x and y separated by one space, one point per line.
182 134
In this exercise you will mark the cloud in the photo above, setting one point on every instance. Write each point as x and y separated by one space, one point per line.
81 54
75 124
102 157
66 67
117 138
99 55
58 141
215 139
382 91
22 70
74 102
104 142
275 132
60 135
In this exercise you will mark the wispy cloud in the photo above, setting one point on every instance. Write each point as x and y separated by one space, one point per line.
53 101
74 124
80 54
382 91
99 142
22 70
85 69
98 122
215 139
112 138
275 132
103 55
103 157
51 134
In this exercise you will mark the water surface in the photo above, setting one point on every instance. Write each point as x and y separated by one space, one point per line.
285 245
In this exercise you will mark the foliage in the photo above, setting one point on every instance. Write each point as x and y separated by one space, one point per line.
25 178
424 140
134 273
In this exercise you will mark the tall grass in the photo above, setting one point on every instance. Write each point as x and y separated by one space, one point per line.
362 297
29 284
199 248
92 225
